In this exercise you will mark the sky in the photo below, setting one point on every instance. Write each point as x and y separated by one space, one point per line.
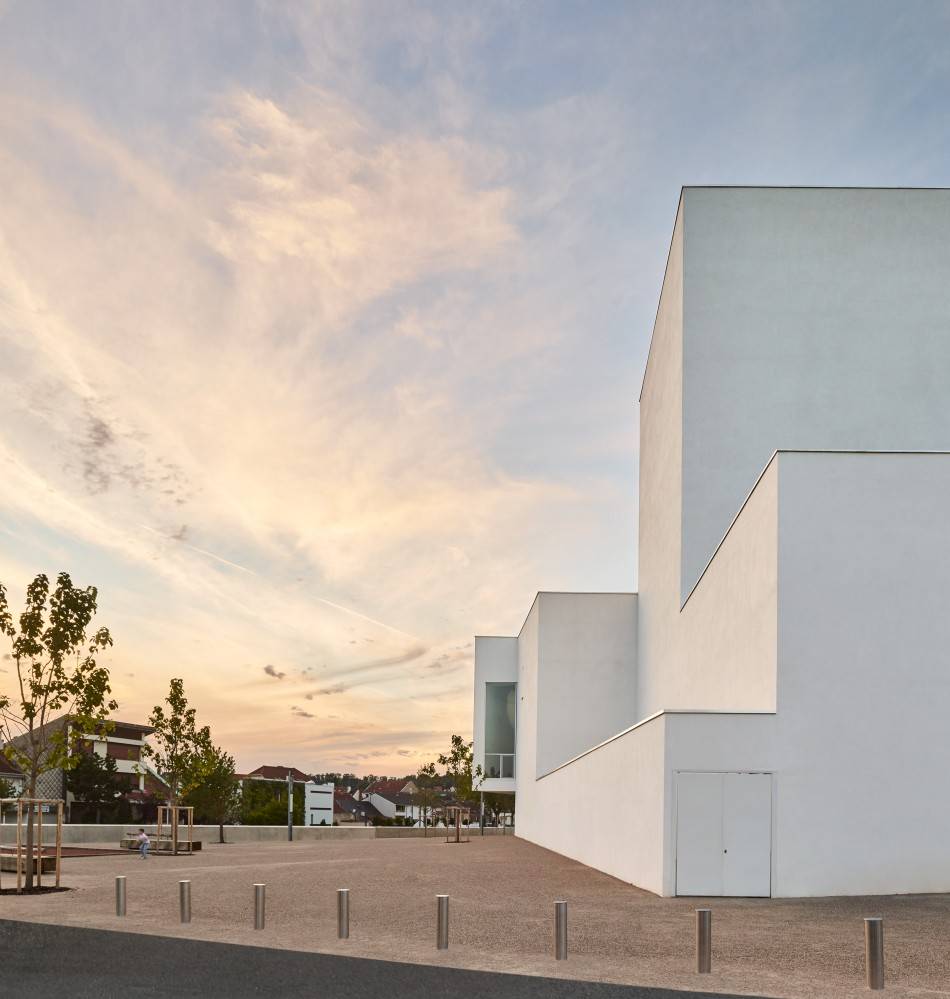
322 325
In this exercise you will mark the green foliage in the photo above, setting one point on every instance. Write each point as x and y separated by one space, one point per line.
7 790
458 766
178 748
264 803
217 794
58 672
499 804
426 797
95 779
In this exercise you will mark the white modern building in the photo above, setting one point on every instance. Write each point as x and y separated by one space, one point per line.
318 804
770 713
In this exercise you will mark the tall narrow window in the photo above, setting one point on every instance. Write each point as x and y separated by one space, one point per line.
500 725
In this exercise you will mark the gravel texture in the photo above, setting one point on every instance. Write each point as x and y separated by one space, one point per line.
502 894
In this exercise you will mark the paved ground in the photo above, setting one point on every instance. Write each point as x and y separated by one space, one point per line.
502 892
103 963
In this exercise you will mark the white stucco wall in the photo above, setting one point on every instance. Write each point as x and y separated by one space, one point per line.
661 455
864 680
723 654
615 819
587 673
812 318
527 735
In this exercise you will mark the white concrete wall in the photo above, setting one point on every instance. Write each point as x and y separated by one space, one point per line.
723 655
618 790
109 835
496 661
812 319
864 674
527 736
661 459
587 672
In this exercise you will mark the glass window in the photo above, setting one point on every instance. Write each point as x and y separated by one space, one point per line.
500 719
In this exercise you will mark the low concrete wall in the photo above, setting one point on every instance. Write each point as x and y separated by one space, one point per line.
76 833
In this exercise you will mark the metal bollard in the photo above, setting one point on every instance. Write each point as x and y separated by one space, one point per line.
259 906
874 951
120 895
343 913
184 901
560 931
704 941
442 923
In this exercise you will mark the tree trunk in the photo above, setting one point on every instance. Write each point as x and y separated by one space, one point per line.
173 805
31 793
221 832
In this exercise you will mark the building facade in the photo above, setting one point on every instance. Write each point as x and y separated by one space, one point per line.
767 713
123 743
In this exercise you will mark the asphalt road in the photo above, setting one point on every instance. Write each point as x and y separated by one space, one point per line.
101 964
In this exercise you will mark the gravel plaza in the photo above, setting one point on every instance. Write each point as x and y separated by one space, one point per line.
502 893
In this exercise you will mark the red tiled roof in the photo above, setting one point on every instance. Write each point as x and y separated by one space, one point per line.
385 787
279 773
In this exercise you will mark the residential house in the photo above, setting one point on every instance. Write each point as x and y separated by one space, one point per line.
344 807
276 775
123 743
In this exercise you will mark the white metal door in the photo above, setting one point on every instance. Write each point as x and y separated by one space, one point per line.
699 834
747 834
723 834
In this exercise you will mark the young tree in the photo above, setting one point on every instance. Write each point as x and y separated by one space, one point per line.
217 795
177 748
458 766
424 782
57 672
94 780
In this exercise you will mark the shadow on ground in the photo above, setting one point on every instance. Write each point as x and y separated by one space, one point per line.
92 964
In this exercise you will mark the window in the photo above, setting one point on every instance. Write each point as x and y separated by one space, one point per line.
500 727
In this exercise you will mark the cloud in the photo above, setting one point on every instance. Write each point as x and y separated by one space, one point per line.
300 713
275 369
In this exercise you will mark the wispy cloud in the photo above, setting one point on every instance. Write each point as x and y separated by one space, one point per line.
324 351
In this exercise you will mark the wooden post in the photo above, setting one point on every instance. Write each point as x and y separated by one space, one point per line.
39 846
19 846
59 839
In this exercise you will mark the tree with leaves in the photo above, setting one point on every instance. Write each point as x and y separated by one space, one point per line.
217 795
264 803
177 748
458 765
425 794
94 780
57 673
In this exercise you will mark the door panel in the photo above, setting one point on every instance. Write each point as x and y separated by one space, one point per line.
699 866
723 834
747 834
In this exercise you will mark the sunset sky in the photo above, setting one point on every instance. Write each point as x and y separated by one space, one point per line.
322 325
